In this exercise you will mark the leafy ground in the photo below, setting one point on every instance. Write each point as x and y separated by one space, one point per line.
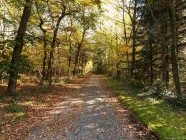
167 121
30 107
85 108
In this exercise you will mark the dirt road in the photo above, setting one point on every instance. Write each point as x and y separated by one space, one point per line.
89 111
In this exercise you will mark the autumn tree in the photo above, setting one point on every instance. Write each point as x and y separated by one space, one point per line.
19 43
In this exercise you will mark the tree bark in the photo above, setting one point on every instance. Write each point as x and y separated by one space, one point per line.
82 61
78 53
151 61
165 56
69 59
44 62
53 47
45 52
125 35
134 39
174 60
77 58
19 43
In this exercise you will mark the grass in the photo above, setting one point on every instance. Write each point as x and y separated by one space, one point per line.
162 118
1 124
14 112
14 108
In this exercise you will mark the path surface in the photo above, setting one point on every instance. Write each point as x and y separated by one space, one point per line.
91 112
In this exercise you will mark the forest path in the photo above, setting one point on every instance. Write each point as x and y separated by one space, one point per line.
83 109
89 113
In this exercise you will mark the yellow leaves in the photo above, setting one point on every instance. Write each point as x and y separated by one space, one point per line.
85 2
124 48
89 2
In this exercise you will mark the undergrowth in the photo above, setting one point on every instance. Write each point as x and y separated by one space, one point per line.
168 121
14 108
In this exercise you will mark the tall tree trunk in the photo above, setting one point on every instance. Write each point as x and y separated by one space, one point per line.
125 35
76 59
174 60
78 53
45 51
70 50
134 39
43 75
151 50
69 59
44 61
165 64
59 62
167 77
165 56
51 57
82 63
151 63
19 42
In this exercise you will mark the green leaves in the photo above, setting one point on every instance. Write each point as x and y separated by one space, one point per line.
21 65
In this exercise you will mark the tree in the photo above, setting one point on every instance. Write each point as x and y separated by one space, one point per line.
64 11
88 21
19 43
174 46
134 23
44 38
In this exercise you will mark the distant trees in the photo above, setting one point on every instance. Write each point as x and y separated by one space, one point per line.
162 25
154 32
48 41
143 41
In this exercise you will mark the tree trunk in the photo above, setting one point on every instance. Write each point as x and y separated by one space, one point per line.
151 63
53 48
59 62
78 53
19 42
165 57
69 59
151 51
82 63
118 72
174 61
76 59
165 65
44 62
167 77
134 39
125 35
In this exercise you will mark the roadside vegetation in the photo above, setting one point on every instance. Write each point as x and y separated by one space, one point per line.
44 42
163 118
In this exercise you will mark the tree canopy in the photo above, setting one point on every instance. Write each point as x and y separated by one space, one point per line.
141 41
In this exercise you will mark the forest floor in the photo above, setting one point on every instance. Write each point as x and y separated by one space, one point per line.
84 108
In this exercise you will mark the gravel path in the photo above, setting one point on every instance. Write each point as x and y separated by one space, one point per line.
89 113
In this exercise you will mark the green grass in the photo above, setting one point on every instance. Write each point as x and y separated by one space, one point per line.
1 124
159 116
19 116
14 108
